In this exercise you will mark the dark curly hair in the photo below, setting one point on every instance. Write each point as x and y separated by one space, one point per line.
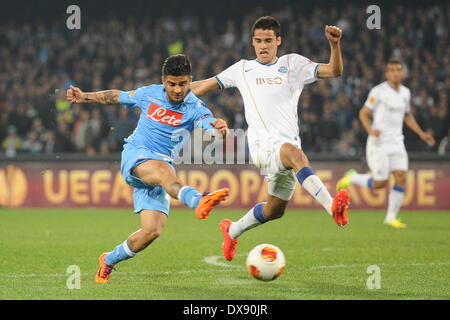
177 65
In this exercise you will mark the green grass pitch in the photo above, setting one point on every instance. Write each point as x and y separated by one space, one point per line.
323 261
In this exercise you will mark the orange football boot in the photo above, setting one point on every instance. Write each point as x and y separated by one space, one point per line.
209 200
104 271
339 207
229 245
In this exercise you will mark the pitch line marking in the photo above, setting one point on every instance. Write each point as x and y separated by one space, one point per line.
213 260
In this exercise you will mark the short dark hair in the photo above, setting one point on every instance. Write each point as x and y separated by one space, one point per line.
177 65
394 60
267 23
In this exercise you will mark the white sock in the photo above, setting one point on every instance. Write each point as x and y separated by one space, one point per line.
360 179
250 220
316 188
394 203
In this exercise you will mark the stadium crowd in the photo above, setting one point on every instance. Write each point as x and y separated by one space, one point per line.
40 59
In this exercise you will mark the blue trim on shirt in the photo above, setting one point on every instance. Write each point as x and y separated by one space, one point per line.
315 70
267 65
220 83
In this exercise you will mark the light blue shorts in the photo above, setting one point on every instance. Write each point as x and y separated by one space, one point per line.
145 196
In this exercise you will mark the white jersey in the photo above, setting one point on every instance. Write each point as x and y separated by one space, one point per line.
389 107
270 94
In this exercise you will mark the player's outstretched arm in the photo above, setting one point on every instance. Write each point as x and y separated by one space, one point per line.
335 66
414 126
75 95
202 87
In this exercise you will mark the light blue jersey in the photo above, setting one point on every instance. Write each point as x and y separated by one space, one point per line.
163 129
164 126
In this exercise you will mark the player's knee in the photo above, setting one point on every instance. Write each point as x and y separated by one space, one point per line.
293 157
400 179
379 184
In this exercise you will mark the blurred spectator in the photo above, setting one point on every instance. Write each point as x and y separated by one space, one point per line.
80 131
50 142
444 146
64 141
12 143
32 144
121 128
37 68
330 130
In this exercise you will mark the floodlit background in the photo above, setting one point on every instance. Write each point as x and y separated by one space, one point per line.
121 45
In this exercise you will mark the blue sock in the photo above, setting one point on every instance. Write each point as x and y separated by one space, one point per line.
398 188
258 214
189 196
370 183
315 187
303 174
120 253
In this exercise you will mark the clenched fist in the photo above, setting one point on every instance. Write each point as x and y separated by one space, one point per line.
333 33
75 95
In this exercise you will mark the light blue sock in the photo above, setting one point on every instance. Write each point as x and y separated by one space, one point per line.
189 196
120 253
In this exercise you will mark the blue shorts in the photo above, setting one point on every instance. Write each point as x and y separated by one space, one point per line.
145 196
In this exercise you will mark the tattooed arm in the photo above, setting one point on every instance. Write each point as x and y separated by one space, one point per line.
75 95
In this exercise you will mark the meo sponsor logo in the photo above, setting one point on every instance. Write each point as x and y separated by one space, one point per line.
276 80
163 115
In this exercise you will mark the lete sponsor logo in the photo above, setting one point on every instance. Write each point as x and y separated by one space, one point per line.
163 115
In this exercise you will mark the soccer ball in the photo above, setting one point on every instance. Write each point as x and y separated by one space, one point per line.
266 262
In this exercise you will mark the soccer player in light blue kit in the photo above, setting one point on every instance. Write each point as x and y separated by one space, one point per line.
169 111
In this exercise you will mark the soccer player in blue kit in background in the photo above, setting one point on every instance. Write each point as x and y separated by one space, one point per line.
168 110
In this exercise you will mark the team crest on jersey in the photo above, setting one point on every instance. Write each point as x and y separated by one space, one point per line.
283 69
182 108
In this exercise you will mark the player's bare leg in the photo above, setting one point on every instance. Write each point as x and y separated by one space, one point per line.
395 200
152 223
159 173
360 179
294 158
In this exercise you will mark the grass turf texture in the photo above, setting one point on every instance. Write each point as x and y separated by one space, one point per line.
323 261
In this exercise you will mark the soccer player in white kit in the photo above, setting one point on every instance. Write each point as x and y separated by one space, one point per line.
270 87
383 114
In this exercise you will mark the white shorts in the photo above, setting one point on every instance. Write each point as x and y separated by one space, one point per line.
382 163
265 155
